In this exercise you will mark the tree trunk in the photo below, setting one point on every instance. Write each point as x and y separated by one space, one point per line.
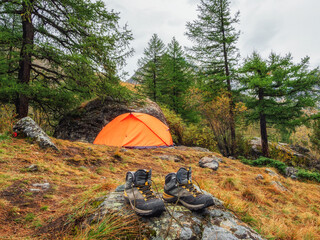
231 108
263 128
22 101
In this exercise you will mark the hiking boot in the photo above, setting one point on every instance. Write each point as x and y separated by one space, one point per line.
139 194
179 188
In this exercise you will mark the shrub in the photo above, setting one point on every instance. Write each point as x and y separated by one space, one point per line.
315 136
243 146
199 135
313 176
281 166
188 134
7 119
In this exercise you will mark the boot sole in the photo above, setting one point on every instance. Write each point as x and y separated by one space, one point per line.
187 205
146 213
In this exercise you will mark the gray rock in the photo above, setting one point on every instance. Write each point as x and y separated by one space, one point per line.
302 153
241 233
279 186
214 222
200 149
291 172
209 162
259 177
300 149
186 233
29 128
173 158
44 186
217 233
33 168
271 173
35 190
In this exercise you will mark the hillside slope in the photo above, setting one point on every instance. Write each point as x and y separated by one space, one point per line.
83 171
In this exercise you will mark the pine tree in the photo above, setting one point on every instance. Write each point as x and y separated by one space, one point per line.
177 78
150 72
215 37
278 91
58 53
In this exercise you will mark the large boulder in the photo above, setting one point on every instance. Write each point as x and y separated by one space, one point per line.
291 154
84 123
29 128
180 223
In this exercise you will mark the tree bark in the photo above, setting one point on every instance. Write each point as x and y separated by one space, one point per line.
263 128
227 72
22 101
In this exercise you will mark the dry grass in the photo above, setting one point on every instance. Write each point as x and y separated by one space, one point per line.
84 171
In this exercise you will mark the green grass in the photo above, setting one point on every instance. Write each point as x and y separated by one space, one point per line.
44 208
247 218
281 167
29 217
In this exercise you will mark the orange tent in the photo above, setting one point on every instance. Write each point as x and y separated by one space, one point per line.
136 130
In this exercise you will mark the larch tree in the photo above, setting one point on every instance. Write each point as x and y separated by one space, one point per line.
177 78
149 74
58 53
215 37
278 91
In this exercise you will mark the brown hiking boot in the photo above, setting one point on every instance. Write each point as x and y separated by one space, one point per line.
179 188
139 194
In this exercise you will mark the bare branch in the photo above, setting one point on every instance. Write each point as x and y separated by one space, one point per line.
46 76
49 70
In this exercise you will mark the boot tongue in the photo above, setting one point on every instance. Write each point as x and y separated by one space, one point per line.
184 175
141 177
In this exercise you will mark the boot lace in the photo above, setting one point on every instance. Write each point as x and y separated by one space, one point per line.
146 191
189 186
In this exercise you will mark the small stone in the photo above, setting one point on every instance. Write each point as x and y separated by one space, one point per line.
120 188
232 158
279 186
271 173
294 177
123 150
291 171
209 162
200 149
33 168
170 158
44 186
35 190
259 177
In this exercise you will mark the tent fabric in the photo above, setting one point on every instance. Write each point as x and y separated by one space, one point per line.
132 130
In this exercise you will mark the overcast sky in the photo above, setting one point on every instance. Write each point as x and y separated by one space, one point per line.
281 26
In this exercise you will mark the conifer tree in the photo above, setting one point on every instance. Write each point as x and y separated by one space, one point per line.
214 36
177 78
278 91
58 53
149 74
